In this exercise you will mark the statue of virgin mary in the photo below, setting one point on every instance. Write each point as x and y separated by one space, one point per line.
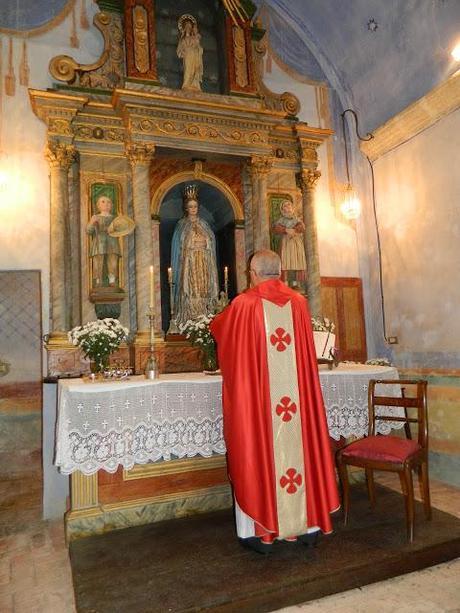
193 261
190 51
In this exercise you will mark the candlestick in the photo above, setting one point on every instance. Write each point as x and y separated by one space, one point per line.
173 329
226 280
151 366
152 289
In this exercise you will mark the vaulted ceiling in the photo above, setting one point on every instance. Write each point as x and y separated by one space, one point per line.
379 55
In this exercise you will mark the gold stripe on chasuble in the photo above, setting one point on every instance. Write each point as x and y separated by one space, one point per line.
286 421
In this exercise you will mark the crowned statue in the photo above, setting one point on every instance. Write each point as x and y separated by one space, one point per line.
190 51
193 262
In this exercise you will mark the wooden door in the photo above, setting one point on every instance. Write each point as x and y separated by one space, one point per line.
342 303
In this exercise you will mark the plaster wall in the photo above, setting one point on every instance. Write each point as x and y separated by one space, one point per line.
417 191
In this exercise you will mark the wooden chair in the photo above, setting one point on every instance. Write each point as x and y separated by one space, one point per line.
391 453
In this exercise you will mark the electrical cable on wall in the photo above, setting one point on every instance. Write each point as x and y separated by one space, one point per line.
368 137
379 251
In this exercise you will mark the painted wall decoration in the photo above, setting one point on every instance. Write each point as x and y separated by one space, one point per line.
24 19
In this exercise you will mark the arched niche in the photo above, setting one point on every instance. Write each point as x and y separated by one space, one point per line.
217 210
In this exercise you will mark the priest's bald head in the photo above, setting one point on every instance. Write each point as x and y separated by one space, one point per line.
264 265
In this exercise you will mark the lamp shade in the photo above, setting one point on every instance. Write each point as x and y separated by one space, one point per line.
351 206
456 52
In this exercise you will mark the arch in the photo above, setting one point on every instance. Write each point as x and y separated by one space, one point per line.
190 175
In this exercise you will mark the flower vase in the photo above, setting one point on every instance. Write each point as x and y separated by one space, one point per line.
210 364
98 365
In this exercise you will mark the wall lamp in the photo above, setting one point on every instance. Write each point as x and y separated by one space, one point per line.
351 206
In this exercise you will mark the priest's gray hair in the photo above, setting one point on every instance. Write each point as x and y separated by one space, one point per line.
266 264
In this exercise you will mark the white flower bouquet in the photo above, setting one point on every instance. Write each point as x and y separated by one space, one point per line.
378 362
324 337
197 331
98 339
322 324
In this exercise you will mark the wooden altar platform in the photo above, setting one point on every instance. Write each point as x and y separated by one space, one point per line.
197 564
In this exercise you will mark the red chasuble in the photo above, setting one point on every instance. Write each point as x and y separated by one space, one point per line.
275 427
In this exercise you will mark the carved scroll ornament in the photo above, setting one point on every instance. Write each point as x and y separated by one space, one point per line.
286 101
107 71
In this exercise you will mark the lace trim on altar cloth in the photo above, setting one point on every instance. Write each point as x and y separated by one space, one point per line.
145 443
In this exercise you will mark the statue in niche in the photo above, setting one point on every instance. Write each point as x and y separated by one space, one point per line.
105 249
291 246
193 262
190 51
105 227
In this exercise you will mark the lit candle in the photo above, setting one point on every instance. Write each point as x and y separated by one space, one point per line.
152 290
170 275
226 280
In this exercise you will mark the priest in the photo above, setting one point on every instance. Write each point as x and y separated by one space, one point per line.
275 428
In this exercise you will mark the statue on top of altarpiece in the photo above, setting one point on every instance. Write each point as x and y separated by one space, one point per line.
190 51
194 263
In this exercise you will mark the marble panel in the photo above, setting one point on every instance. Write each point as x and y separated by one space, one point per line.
79 525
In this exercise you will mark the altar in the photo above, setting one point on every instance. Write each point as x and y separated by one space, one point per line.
141 451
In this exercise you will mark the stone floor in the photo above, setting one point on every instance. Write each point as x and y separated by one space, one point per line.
35 575
432 590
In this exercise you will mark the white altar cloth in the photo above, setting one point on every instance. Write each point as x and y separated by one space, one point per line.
103 425
345 398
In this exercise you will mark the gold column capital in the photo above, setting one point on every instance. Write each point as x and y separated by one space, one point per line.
60 155
309 152
307 179
140 153
260 165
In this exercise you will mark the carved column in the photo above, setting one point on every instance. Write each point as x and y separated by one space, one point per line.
140 156
157 274
240 252
59 157
74 289
260 167
307 180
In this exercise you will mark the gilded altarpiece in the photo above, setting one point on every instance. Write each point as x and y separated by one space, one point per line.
151 138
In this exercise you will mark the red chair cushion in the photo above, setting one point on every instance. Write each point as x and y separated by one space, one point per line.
381 449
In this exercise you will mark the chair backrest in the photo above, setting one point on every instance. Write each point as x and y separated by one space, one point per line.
416 399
